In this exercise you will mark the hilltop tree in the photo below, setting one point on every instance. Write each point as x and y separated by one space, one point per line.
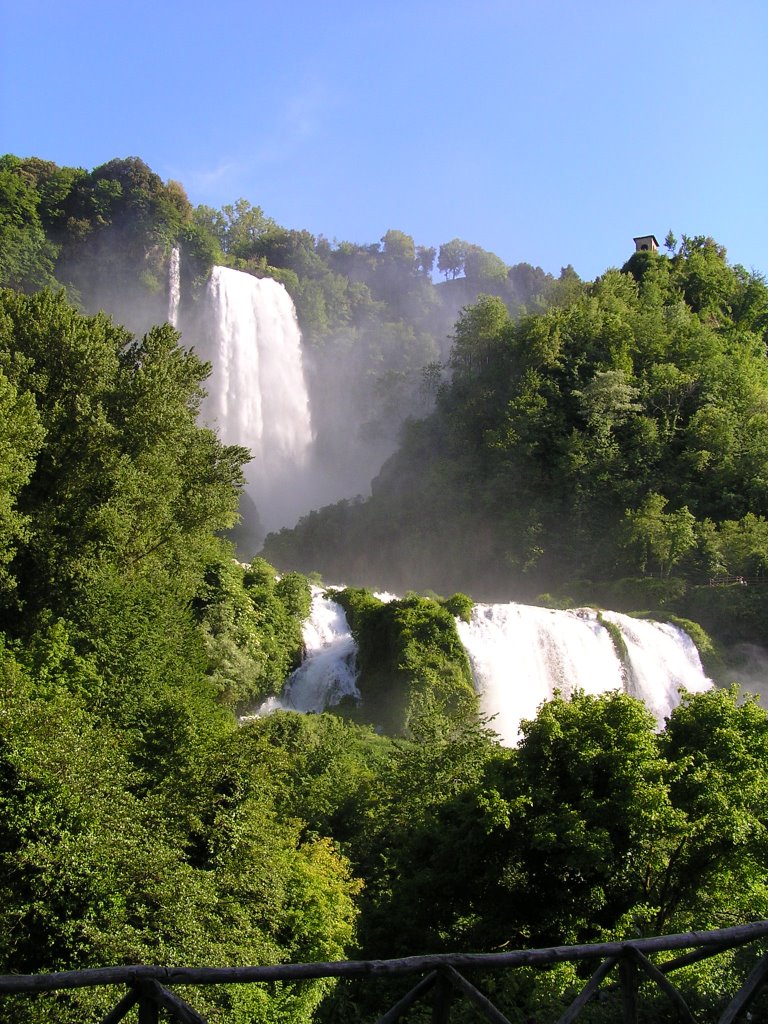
481 265
399 247
450 258
425 257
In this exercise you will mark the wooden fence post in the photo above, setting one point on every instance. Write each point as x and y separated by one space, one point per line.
629 984
441 1000
149 1011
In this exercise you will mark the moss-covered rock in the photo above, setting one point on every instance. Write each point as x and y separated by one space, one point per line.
408 650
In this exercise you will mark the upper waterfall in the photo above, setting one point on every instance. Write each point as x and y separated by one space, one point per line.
257 393
174 286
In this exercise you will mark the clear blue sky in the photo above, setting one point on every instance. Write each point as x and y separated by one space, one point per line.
549 131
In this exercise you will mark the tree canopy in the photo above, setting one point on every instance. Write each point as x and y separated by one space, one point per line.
603 440
617 434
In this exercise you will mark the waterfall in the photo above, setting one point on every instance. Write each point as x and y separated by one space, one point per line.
174 286
257 392
661 659
521 655
328 672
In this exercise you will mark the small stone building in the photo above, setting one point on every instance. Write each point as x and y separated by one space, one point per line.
646 243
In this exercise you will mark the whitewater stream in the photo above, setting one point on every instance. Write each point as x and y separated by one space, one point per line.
328 673
520 656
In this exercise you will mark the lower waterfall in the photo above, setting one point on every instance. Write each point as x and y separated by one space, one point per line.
520 657
661 660
328 673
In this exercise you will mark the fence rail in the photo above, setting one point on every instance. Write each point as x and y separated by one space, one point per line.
442 977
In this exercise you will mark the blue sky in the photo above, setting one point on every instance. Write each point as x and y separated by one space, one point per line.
548 131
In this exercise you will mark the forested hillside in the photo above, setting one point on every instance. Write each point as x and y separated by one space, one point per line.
610 449
372 314
606 442
132 828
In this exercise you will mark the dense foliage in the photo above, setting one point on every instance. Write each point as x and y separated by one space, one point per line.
411 662
616 430
619 435
132 828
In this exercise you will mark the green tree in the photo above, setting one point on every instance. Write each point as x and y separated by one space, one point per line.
743 546
425 257
662 536
567 838
412 664
21 436
608 400
450 258
552 426
324 770
422 850
244 225
717 744
598 825
399 247
530 284
567 288
701 271
54 186
478 333
251 622
27 257
481 265
125 470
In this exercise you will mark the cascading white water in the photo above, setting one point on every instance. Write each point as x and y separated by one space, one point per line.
328 673
521 655
662 659
257 392
174 286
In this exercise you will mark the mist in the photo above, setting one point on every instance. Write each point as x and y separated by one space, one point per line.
317 422
747 665
321 408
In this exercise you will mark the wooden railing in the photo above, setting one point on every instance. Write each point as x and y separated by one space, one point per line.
442 978
724 580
